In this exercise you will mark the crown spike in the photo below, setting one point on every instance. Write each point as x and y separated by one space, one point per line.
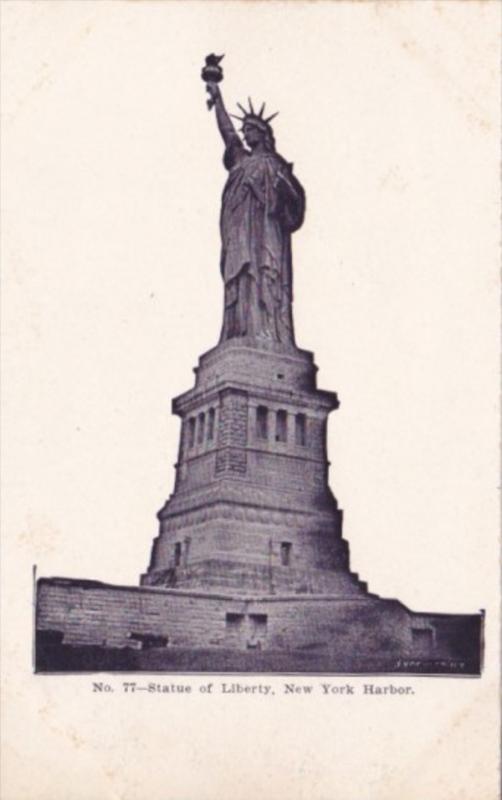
269 119
243 109
241 119
250 105
262 109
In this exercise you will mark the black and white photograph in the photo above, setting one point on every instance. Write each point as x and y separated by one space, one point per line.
250 571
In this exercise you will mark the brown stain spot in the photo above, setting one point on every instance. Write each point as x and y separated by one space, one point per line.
76 740
393 180
47 710
47 74
431 64
44 79
40 536
385 5
483 124
410 46
459 719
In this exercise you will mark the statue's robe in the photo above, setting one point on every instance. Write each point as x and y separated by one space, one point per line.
258 216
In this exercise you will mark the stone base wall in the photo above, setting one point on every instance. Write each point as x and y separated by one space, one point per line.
252 470
223 575
76 613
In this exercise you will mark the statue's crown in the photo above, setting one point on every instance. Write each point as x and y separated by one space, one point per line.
252 118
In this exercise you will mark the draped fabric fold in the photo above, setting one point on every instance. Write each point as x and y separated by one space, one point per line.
263 204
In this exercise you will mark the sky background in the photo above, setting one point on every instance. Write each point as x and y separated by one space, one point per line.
113 184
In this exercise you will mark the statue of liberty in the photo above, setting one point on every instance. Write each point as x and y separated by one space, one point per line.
262 205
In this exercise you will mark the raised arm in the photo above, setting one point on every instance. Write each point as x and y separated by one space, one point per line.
225 124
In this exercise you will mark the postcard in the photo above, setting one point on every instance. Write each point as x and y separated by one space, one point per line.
251 400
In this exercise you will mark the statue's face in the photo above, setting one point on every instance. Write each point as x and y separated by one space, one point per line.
252 135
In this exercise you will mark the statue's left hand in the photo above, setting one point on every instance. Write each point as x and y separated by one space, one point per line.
280 179
283 183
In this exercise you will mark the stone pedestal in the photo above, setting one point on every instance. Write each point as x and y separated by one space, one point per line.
249 572
251 508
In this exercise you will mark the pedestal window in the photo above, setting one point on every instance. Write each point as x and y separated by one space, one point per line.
191 432
281 426
301 429
286 553
210 424
262 422
201 428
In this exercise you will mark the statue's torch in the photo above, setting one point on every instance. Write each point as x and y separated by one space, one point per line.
212 73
